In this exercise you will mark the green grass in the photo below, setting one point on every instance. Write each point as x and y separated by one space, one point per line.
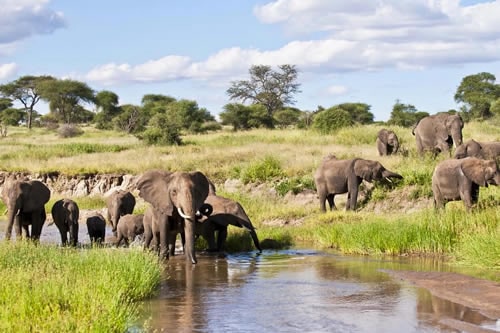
51 289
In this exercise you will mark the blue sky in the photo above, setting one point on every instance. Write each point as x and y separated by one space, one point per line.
374 52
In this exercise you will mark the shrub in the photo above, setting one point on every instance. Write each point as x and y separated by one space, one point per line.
69 131
294 185
263 170
331 120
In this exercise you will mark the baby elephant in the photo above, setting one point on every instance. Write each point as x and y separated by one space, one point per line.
460 180
387 142
65 213
129 226
96 226
484 150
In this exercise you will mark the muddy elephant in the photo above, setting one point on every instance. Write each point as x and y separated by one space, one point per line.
335 176
96 228
129 227
25 201
119 203
438 133
220 213
65 213
460 179
387 142
169 192
483 150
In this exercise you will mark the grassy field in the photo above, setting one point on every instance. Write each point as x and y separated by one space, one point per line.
271 163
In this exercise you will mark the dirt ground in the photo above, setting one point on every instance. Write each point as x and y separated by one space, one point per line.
477 294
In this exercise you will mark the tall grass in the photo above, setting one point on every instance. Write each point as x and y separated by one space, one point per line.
50 289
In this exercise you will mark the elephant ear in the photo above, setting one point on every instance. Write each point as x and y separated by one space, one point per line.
202 185
473 169
382 135
363 169
36 194
153 188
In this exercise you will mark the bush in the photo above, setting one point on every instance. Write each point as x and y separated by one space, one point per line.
264 170
162 131
295 185
69 131
331 120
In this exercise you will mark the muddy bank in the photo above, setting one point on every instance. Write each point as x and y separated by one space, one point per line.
479 295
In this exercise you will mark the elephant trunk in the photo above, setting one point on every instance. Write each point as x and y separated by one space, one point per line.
12 211
189 239
389 174
457 138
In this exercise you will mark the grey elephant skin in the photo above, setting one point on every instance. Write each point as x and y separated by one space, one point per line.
96 228
119 203
460 179
66 213
169 192
25 201
438 133
223 212
335 176
483 150
387 142
129 227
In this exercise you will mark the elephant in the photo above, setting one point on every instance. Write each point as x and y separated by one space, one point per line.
169 192
335 176
96 227
65 213
221 213
129 227
25 201
387 142
483 150
460 179
119 203
437 133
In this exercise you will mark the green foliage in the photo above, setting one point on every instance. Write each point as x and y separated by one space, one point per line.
187 115
107 104
52 289
161 132
287 117
331 120
359 112
132 119
356 135
263 170
295 185
405 115
478 92
243 117
12 116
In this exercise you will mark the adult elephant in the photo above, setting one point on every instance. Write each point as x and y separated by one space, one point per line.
437 133
335 176
387 142
169 192
222 213
65 213
483 150
96 228
129 227
119 203
460 179
25 201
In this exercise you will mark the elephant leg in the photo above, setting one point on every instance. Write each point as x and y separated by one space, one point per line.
73 234
172 237
64 236
209 228
322 200
164 241
255 240
38 219
331 202
221 237
18 224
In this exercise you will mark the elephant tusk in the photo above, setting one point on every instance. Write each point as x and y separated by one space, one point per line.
388 179
181 213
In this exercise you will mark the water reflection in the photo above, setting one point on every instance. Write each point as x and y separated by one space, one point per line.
296 291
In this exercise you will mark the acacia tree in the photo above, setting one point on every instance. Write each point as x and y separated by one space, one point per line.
272 89
107 106
26 90
65 98
478 92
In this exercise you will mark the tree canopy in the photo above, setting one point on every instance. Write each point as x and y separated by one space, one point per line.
478 92
405 115
272 89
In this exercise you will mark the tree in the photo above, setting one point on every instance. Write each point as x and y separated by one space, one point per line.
107 108
131 119
236 115
287 117
359 112
331 120
162 131
272 89
26 90
65 96
405 115
188 115
477 92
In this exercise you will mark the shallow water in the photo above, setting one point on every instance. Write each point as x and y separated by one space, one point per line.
298 291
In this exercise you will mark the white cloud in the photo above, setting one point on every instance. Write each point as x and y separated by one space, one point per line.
336 90
20 19
7 70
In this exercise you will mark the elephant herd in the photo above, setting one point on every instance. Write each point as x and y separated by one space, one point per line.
182 203
474 164
186 203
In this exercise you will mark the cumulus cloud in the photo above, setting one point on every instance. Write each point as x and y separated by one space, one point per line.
356 35
7 70
336 90
20 19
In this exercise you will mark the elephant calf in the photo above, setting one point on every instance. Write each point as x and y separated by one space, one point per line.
387 142
460 180
96 226
129 227
65 213
484 150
